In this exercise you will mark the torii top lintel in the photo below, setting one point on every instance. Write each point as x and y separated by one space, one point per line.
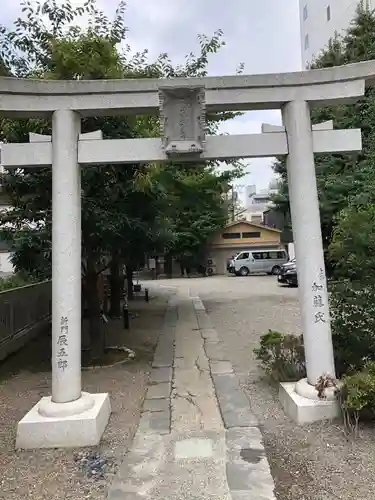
336 85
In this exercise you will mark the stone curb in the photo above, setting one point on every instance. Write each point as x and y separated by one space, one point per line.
117 363
156 411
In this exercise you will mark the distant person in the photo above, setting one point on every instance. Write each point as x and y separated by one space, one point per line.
182 269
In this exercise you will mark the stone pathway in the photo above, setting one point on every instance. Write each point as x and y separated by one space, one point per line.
197 438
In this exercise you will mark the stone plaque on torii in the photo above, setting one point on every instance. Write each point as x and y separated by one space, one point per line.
182 104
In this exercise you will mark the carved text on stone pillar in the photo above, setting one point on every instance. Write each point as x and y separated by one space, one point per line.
318 300
62 342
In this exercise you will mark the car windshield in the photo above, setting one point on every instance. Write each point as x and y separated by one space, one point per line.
242 255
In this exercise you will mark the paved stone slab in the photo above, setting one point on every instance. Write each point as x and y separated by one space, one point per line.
215 351
254 494
242 477
238 418
155 422
162 374
203 319
191 485
119 494
159 391
193 448
209 334
163 358
239 478
147 450
234 405
170 319
167 332
171 316
189 347
200 362
227 382
247 468
200 413
140 469
156 404
221 367
238 439
198 304
165 343
193 382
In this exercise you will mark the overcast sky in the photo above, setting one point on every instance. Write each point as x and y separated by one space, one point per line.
262 34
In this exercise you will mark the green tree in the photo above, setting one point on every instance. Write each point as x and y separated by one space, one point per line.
353 243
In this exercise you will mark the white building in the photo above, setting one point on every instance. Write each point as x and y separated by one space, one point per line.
249 192
321 19
258 203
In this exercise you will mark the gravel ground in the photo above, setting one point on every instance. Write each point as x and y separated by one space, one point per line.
314 462
59 474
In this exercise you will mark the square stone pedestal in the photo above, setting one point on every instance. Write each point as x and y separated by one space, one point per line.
303 410
75 431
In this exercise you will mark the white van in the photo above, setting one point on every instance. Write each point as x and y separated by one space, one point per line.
259 261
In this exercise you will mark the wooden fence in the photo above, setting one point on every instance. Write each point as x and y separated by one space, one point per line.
24 312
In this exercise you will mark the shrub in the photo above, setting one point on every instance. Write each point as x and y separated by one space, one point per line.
15 281
282 356
357 395
352 306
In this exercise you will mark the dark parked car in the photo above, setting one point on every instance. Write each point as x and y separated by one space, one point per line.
288 274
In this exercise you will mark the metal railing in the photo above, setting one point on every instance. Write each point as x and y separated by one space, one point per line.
23 312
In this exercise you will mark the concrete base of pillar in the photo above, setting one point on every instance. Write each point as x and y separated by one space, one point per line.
303 410
84 428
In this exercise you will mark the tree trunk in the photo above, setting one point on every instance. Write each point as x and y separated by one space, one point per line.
168 266
115 286
97 340
129 278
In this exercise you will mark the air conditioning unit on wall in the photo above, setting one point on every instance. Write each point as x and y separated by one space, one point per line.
211 266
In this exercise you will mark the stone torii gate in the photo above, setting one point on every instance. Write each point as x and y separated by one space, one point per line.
70 417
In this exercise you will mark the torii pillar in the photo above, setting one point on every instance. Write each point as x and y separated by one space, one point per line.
70 417
300 400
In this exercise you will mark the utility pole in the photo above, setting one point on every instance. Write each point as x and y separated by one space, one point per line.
233 201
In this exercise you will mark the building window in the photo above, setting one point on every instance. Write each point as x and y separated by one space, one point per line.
305 13
328 13
307 41
251 235
231 236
